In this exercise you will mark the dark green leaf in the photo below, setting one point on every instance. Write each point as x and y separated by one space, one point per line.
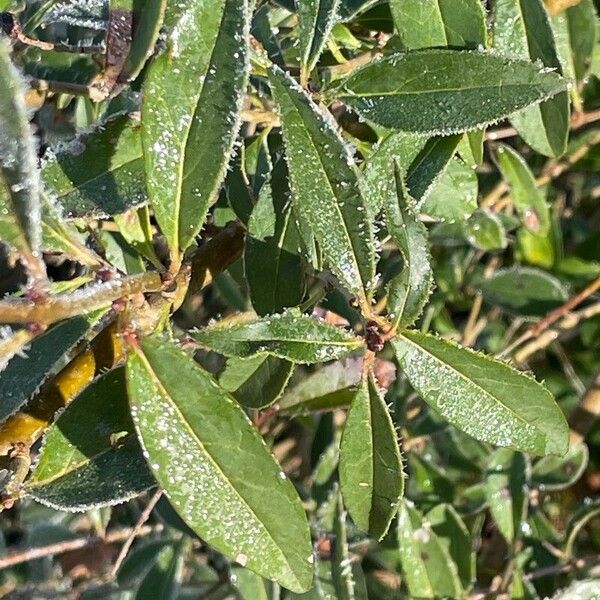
91 456
257 381
20 204
249 585
350 8
138 563
98 174
409 292
274 270
196 436
317 17
324 184
522 29
560 472
163 578
445 91
428 569
429 23
192 99
148 17
523 291
454 537
507 491
482 396
526 196
291 335
48 354
331 387
370 464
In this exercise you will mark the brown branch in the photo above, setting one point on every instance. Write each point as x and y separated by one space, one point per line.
135 532
585 414
50 309
21 556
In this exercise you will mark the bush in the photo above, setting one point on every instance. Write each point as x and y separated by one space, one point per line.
300 299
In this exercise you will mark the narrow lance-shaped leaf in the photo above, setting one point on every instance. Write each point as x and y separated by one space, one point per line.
324 183
370 463
317 17
20 206
526 196
408 292
522 29
481 396
445 91
427 567
215 468
90 456
192 100
291 335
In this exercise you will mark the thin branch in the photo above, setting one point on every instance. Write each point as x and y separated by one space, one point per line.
50 309
135 532
18 557
585 414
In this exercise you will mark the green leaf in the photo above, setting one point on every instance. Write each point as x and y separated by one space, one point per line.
507 491
47 355
98 174
523 291
324 184
522 29
429 23
350 8
329 388
424 161
484 230
454 537
140 561
148 18
274 270
481 396
370 468
428 570
192 99
90 457
409 292
553 473
196 436
20 205
291 335
249 585
526 196
317 17
164 577
440 92
257 381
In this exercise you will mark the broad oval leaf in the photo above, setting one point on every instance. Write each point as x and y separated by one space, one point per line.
257 381
25 374
370 467
524 291
485 231
291 335
507 492
98 174
430 23
191 113
90 456
522 29
526 196
409 292
427 567
20 204
481 396
317 17
214 466
324 183
445 91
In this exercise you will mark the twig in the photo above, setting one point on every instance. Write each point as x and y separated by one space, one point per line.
51 309
554 316
583 417
135 532
18 557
